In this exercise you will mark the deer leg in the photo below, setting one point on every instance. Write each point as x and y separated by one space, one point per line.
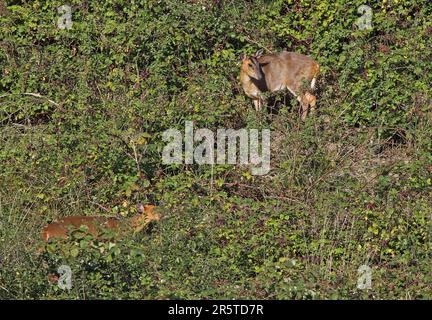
308 103
311 100
312 107
258 104
304 107
304 111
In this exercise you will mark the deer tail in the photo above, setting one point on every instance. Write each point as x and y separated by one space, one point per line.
315 76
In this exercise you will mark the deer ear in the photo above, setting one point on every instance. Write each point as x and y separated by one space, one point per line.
243 56
259 53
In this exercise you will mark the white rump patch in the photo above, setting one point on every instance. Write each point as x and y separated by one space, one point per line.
313 83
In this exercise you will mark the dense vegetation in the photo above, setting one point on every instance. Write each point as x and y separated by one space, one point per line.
348 187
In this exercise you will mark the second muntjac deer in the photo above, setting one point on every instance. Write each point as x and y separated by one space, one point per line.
96 224
273 72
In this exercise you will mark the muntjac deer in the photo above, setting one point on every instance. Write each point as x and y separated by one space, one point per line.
96 224
273 72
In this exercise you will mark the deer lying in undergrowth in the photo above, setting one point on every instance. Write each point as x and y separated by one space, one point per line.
273 72
97 224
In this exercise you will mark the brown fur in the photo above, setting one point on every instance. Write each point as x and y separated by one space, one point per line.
274 72
95 224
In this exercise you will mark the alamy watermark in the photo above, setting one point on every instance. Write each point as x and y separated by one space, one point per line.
364 281
65 280
365 21
249 151
65 21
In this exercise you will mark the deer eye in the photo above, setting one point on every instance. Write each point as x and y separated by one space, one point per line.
250 65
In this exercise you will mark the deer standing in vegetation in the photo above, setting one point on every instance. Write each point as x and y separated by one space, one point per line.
95 225
273 72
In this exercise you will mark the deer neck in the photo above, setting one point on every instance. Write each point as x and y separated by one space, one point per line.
253 86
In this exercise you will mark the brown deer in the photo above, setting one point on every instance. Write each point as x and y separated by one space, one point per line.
96 224
278 71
